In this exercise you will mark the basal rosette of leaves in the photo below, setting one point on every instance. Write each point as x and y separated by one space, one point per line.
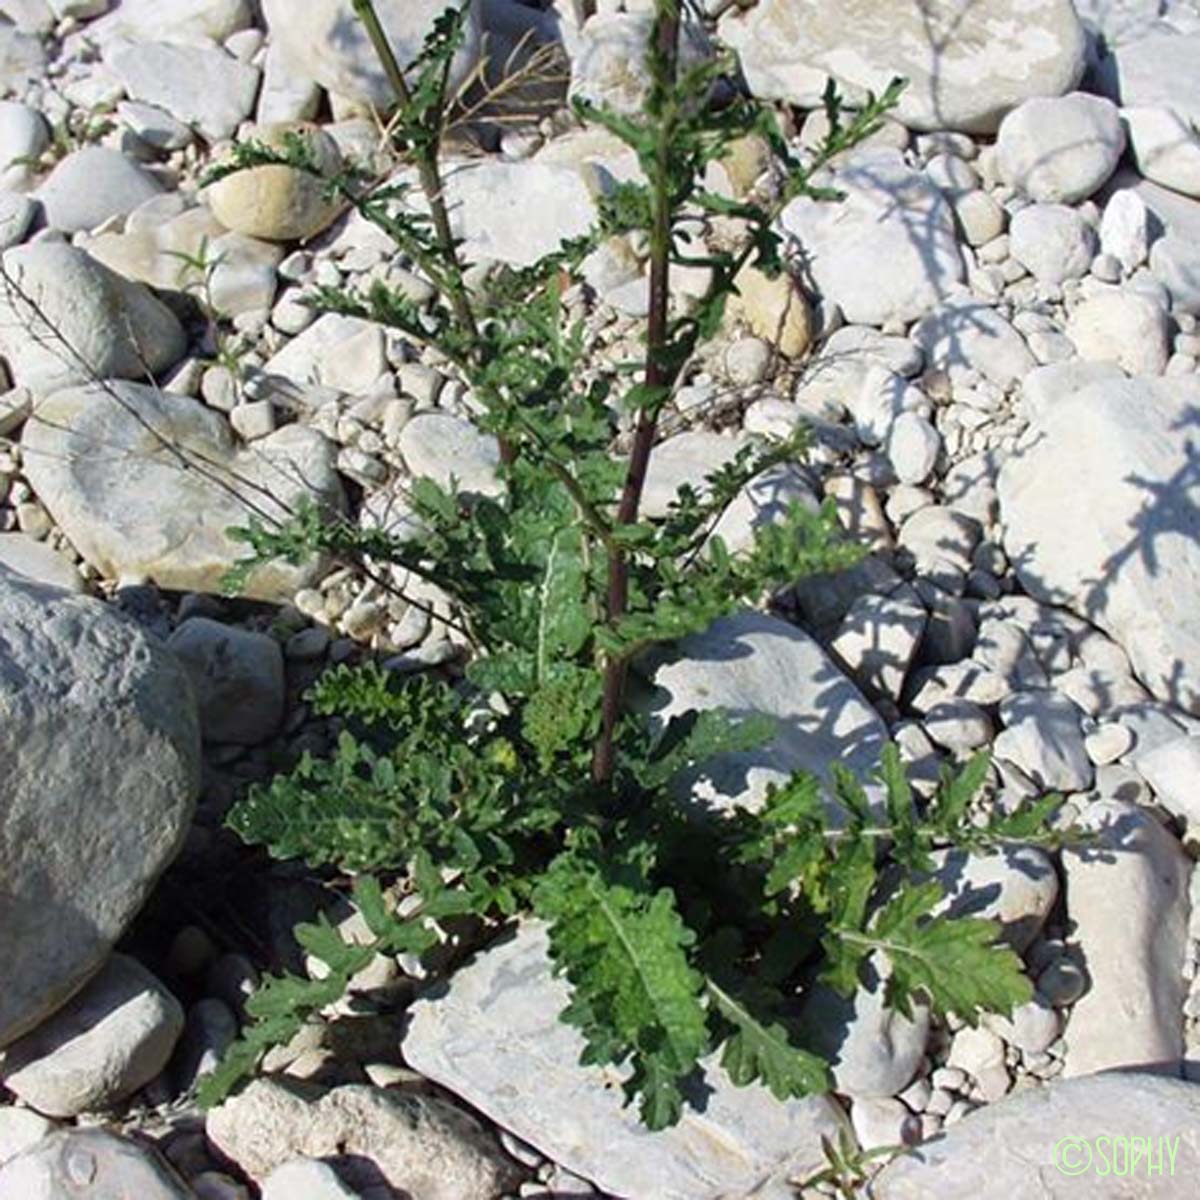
531 786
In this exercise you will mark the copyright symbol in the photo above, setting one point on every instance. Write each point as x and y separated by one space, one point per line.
1072 1155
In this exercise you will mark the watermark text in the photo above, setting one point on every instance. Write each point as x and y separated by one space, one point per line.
1122 1155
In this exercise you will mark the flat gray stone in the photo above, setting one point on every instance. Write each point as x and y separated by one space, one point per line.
1016 888
1127 903
147 483
753 663
1019 1147
873 1050
308 1179
1042 736
201 86
91 185
1101 514
80 686
494 1038
877 642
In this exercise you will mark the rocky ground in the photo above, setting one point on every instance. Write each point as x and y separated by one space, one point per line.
995 340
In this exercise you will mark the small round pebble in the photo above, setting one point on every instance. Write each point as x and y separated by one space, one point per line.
1062 982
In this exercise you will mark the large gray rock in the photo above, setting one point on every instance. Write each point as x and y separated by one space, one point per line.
752 663
147 483
967 63
1049 1143
101 748
889 251
495 1039
90 1164
327 42
65 318
107 1041
421 1146
1127 902
1101 510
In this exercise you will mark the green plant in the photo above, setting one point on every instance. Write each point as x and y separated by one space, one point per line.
533 785
847 1168
81 127
197 272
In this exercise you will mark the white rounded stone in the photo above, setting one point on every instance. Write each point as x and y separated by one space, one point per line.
1060 150
1052 242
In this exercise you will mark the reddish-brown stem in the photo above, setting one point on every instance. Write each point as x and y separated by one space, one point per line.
603 757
